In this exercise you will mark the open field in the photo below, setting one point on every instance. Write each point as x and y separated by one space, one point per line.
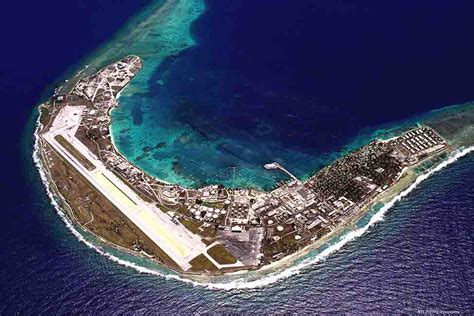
191 225
201 263
221 255
215 229
98 215
172 237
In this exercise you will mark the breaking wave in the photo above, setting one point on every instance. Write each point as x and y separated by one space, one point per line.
242 282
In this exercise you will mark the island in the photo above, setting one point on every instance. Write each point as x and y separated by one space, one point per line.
215 230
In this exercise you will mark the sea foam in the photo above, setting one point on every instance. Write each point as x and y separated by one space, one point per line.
242 282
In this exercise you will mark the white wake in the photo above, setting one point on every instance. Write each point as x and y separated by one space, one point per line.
264 280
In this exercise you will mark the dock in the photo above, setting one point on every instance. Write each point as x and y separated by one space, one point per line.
277 166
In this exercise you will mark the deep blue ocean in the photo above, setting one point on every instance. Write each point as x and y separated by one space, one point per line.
312 74
293 82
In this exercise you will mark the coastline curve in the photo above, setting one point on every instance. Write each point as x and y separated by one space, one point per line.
238 281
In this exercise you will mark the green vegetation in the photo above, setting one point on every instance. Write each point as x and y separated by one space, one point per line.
209 241
73 151
209 232
219 205
201 263
182 210
221 255
197 227
92 210
45 116
287 245
192 226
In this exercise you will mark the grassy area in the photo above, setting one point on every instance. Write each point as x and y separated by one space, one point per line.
219 205
183 210
221 254
208 241
208 232
99 215
201 263
192 226
45 117
74 152
164 208
287 245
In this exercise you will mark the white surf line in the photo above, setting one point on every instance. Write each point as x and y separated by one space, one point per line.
377 217
242 283
69 224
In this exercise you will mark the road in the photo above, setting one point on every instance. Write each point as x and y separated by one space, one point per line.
178 242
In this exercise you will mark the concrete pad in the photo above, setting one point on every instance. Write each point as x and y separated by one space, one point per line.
178 242
115 192
154 224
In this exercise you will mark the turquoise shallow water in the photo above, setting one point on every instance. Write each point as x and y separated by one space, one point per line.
415 260
418 260
159 134
216 93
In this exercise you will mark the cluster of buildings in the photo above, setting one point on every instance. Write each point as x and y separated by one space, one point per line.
292 215
107 82
298 213
418 143
100 91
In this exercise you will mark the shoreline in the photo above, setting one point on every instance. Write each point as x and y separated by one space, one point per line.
264 280
384 198
388 196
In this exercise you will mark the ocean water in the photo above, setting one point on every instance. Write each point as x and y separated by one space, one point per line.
293 82
418 259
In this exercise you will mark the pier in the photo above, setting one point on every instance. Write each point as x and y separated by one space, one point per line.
277 166
212 230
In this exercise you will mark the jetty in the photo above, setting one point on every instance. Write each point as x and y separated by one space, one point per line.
212 229
277 166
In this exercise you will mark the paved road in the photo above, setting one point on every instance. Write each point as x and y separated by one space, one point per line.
178 242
